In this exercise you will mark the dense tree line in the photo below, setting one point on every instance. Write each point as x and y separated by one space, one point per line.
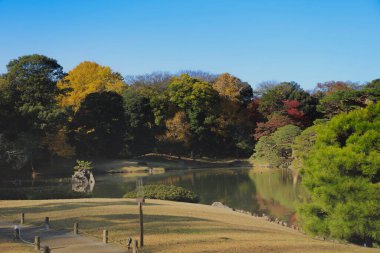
330 134
93 111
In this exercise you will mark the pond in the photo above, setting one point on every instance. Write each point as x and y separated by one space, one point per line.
274 192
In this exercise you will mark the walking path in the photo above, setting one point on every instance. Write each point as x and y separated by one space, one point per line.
61 241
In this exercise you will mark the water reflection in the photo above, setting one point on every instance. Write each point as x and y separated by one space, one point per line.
274 192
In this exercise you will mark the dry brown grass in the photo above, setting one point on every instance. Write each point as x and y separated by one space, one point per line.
170 226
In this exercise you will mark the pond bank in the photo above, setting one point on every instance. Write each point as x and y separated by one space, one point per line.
159 163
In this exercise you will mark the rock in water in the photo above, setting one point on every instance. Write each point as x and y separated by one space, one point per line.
83 181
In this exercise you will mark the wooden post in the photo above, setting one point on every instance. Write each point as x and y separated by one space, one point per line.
17 232
141 225
22 221
105 236
135 246
47 222
37 242
76 227
46 249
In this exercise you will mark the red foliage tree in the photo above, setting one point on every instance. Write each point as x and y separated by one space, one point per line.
292 109
291 114
275 121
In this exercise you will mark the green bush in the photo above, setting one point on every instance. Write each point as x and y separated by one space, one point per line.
166 192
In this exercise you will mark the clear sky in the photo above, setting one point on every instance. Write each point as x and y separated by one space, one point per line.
307 41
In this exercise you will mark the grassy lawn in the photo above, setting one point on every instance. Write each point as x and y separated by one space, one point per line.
169 226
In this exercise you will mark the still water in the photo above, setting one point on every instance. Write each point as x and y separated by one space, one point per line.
274 192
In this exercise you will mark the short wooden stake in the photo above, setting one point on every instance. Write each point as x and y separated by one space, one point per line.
22 221
46 249
135 246
37 242
47 222
141 226
17 232
76 227
105 236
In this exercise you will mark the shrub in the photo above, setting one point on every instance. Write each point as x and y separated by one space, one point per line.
166 192
83 165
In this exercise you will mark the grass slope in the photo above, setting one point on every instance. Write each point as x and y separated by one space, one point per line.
169 226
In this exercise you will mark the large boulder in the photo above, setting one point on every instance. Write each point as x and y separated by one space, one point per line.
83 181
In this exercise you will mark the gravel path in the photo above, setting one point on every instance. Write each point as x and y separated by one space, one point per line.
61 241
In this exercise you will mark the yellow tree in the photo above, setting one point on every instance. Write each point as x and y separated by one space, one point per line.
88 77
229 86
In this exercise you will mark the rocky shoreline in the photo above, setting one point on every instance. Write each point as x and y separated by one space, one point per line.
263 216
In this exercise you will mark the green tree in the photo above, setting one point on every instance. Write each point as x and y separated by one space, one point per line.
272 100
154 87
140 126
199 101
372 91
340 101
342 173
276 149
32 83
98 127
263 151
302 145
10 122
30 88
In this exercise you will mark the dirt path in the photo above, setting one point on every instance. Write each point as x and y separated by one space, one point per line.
60 241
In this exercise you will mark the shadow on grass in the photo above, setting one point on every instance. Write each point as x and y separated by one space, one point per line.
123 221
157 224
61 206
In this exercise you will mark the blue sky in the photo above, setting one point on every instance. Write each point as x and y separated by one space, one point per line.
307 41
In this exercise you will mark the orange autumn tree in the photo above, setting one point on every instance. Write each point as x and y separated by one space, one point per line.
58 145
234 124
88 77
178 128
